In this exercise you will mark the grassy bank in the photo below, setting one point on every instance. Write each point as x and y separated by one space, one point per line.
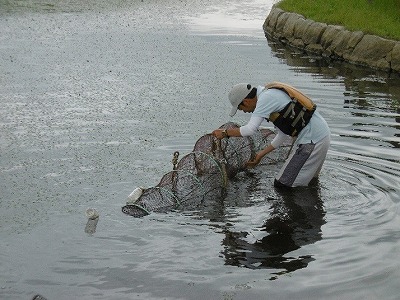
378 17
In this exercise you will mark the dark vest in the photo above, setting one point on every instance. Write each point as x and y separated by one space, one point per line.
296 114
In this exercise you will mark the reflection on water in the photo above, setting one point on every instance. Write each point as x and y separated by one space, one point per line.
295 220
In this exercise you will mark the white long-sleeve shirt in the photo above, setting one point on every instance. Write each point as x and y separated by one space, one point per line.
274 100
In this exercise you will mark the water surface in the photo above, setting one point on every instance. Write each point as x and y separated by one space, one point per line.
96 97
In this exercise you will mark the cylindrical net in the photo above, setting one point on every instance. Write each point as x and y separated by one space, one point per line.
201 174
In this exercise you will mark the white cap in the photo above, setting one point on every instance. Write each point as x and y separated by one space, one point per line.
237 94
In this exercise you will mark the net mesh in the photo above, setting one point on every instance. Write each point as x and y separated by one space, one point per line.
203 173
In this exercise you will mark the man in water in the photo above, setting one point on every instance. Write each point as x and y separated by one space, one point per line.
293 114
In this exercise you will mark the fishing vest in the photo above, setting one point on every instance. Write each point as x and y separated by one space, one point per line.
296 114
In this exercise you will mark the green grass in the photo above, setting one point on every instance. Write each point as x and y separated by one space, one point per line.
378 17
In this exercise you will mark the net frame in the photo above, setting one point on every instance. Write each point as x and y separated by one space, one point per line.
201 174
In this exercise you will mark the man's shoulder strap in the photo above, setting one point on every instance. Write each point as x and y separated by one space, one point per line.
293 93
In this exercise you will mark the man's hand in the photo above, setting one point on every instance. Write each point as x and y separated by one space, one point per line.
259 156
255 161
218 133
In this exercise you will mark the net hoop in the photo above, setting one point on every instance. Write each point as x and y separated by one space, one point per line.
196 179
221 170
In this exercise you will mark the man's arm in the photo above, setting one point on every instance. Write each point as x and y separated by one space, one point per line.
246 130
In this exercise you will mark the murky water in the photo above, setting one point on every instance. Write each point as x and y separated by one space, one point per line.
95 98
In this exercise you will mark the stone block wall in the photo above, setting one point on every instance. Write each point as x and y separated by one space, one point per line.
333 41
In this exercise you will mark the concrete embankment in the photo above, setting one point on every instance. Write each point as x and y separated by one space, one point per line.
333 41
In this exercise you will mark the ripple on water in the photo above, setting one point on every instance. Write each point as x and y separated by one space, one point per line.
363 210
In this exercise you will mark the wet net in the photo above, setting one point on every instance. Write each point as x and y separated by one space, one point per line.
202 174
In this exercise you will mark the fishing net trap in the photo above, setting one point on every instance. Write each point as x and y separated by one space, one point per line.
201 174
